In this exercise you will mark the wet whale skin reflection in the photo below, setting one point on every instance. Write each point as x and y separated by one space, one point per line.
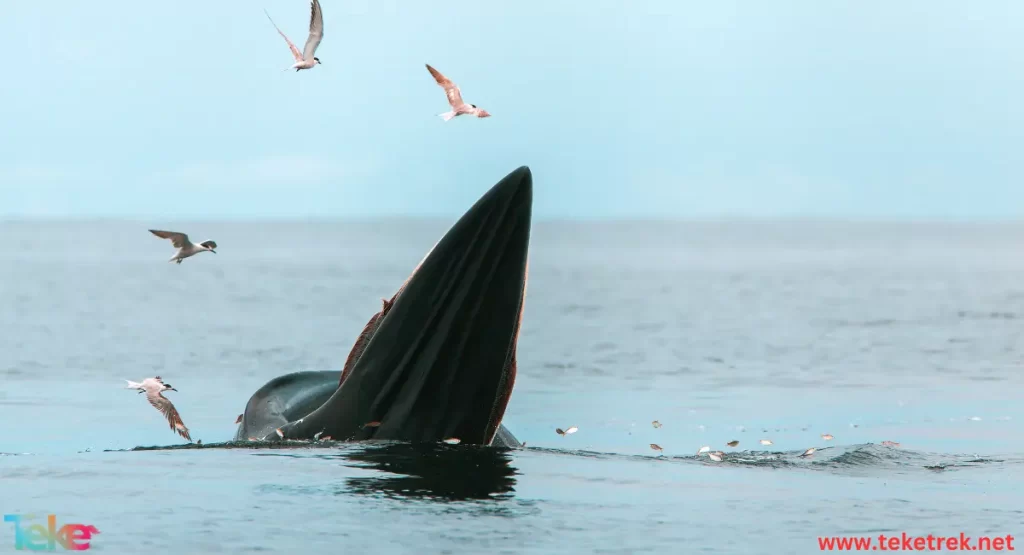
439 359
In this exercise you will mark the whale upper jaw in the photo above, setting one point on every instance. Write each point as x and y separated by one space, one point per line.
441 363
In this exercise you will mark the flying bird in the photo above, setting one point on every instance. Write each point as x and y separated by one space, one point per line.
306 59
186 248
451 90
154 388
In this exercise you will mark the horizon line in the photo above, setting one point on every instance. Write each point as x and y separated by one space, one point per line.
425 218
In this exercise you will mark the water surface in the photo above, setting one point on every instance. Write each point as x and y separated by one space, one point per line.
720 331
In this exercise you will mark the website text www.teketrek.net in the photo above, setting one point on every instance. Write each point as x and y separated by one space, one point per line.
905 542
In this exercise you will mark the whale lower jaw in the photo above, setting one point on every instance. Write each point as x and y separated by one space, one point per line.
440 361
290 397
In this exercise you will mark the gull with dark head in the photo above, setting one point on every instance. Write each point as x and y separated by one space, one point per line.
154 388
186 248
451 90
306 59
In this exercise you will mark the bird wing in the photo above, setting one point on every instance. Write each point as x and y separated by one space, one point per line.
179 240
295 51
451 90
164 405
316 30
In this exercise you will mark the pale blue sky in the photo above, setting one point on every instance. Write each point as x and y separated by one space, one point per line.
632 108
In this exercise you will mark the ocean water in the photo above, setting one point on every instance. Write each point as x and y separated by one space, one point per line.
912 333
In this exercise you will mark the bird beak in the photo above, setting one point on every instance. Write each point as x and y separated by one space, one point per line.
172 389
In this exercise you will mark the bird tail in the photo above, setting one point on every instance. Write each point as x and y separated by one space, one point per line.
447 115
132 385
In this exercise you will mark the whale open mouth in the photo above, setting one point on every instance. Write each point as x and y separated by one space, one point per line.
441 361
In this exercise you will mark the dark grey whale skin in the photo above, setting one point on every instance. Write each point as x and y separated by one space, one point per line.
292 396
284 399
440 361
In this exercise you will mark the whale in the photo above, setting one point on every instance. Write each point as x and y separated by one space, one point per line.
438 361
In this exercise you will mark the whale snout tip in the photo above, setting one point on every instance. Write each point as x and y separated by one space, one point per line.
526 180
516 187
525 176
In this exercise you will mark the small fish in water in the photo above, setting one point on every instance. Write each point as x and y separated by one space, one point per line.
279 432
374 424
808 452
766 442
239 419
733 443
656 424
827 437
453 441
890 443
704 449
716 456
571 430
656 447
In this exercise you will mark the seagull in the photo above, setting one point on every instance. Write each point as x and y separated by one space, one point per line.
306 59
153 387
185 247
451 90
